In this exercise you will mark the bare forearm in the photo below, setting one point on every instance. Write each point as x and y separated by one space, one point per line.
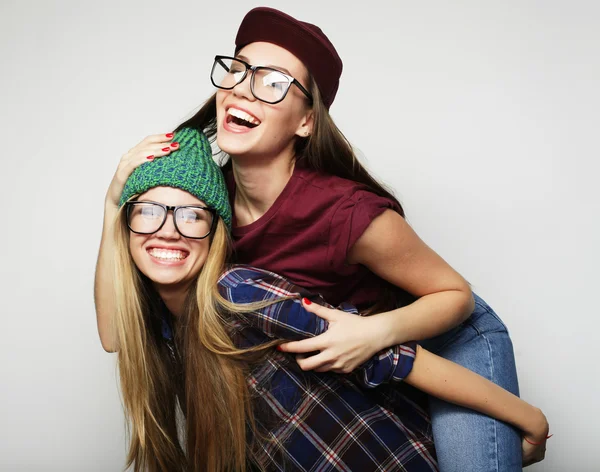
455 384
427 317
103 290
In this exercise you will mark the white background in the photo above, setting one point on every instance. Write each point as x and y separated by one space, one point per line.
483 116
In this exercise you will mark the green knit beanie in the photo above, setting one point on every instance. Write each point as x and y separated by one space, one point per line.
190 168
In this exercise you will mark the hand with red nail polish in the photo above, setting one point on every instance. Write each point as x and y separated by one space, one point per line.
149 149
349 341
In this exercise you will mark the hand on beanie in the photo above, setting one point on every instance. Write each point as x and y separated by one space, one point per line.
189 167
150 148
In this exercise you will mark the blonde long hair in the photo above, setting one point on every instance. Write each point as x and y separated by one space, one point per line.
216 398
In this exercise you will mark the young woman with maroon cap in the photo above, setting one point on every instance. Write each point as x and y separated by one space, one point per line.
305 208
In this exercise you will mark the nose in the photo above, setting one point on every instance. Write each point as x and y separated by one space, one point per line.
243 90
168 230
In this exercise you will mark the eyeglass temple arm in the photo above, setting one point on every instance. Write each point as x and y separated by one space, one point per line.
304 91
218 59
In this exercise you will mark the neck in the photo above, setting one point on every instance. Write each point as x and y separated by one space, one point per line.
258 184
173 297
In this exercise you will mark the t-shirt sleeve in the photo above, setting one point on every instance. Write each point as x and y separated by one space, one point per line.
350 220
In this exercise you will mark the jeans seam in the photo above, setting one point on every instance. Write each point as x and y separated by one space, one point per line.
494 421
488 310
479 333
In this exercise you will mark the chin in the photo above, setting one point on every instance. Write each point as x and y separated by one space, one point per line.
168 281
235 145
165 276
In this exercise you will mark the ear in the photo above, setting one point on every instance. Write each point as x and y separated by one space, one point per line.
305 128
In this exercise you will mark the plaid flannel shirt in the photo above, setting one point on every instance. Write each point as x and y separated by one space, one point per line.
319 422
312 421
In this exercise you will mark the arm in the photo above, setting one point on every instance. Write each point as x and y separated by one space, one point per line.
104 298
416 366
391 249
455 384
286 317
437 377
103 290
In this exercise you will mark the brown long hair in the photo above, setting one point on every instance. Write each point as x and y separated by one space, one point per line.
211 385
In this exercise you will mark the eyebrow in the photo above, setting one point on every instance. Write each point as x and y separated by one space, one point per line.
273 66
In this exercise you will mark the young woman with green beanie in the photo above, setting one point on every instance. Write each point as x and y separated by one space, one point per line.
195 342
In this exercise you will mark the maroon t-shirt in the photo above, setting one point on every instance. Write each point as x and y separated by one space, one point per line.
307 233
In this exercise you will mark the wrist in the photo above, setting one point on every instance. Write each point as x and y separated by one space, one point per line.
110 208
110 216
389 329
537 430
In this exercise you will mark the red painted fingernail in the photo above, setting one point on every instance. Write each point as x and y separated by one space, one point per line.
174 144
306 301
166 149
150 157
169 135
279 348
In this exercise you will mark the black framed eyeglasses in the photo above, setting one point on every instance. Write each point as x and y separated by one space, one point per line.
191 221
267 84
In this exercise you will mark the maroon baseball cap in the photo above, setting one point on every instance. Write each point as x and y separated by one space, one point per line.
304 40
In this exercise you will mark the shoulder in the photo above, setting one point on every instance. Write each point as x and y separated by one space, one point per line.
338 190
328 185
337 198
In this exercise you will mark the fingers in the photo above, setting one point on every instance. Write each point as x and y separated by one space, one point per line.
164 138
131 161
157 145
157 150
318 361
323 359
150 148
533 453
304 346
143 153
317 343
323 362
327 314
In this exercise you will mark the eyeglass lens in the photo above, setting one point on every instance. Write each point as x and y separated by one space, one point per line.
191 222
268 84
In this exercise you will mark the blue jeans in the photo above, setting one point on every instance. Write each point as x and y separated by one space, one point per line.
467 441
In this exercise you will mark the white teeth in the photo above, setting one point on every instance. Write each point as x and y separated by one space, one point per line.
167 254
242 115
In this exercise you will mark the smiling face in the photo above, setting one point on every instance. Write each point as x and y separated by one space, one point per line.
167 258
248 127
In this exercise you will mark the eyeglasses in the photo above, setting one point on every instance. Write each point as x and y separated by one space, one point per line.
266 84
191 221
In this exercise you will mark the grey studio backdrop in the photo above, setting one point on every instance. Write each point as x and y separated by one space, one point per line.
483 116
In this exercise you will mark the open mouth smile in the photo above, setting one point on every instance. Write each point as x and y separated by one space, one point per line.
239 119
168 255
